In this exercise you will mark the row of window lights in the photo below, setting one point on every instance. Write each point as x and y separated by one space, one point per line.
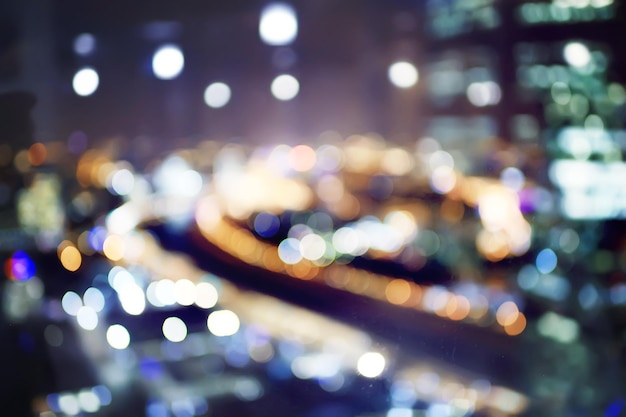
168 63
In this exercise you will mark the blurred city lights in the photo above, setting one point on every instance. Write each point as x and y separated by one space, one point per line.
85 82
482 94
87 318
513 178
113 247
507 313
546 261
68 403
185 292
88 401
266 224
118 337
165 292
223 323
312 247
403 74
94 299
168 62
174 329
371 364
103 394
132 299
400 412
289 251
557 327
84 44
278 24
411 224
576 54
121 181
71 303
285 87
217 95
302 158
20 267
206 295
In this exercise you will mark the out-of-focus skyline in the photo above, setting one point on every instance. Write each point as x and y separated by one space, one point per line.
360 208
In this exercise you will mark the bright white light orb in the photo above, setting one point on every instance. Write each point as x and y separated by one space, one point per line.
71 303
403 74
85 82
174 329
217 95
185 292
94 298
285 87
122 182
165 292
206 295
371 364
133 299
68 403
223 323
278 24
118 337
87 318
576 54
168 62
312 247
88 401
289 251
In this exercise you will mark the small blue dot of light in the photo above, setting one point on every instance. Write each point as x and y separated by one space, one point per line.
546 261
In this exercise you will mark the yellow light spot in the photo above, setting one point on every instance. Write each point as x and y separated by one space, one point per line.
507 313
415 297
69 256
300 270
347 208
21 162
398 291
37 154
95 162
461 308
494 246
113 247
83 168
337 277
271 260
517 327
359 282
397 161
